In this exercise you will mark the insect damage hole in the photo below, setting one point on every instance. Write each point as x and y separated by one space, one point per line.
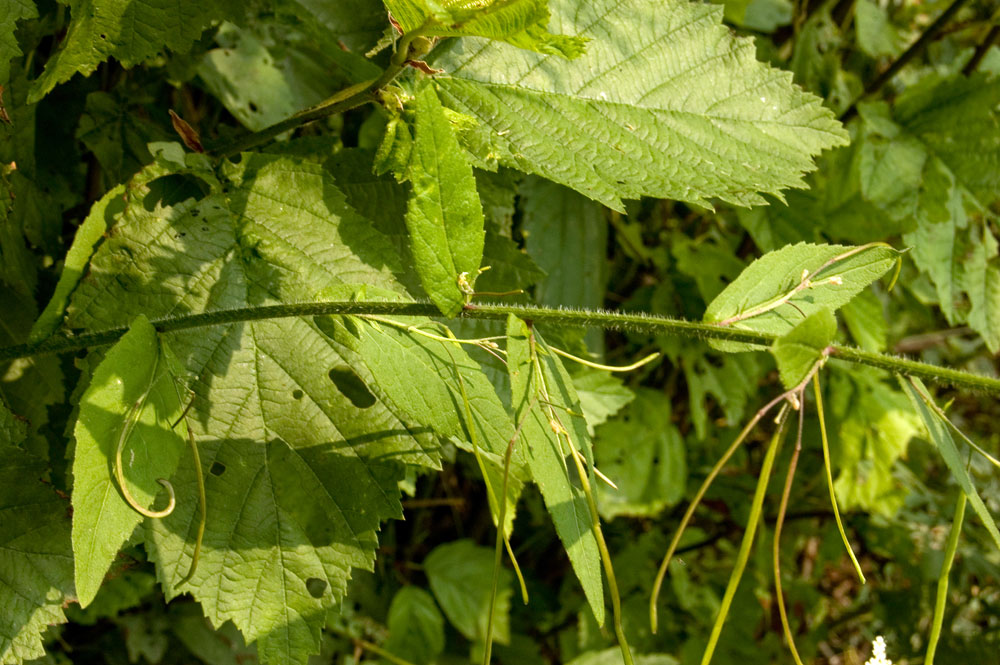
352 387
217 469
315 586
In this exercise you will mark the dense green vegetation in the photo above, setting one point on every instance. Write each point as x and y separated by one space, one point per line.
512 331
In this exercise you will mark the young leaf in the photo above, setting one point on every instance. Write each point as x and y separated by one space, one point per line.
664 103
444 215
522 23
130 32
459 574
301 461
416 627
546 454
783 286
797 351
130 405
36 559
941 438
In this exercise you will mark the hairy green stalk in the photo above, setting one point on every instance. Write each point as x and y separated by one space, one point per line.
661 325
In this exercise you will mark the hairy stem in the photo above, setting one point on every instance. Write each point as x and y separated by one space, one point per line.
577 318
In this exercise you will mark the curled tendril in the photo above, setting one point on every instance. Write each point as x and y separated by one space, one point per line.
130 421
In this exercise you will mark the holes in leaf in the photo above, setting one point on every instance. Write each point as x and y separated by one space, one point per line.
352 387
315 586
253 107
297 394
217 469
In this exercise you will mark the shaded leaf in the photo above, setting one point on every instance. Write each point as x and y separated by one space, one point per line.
128 30
460 574
36 559
644 454
416 627
16 10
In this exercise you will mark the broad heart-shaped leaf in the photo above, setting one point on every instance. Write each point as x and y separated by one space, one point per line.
444 215
518 22
780 288
941 437
551 467
36 559
664 103
14 11
460 575
128 30
301 461
416 627
797 351
131 394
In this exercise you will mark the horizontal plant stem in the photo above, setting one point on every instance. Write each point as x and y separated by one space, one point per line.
576 318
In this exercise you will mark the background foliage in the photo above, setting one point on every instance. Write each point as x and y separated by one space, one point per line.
635 156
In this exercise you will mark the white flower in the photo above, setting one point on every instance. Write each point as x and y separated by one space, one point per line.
878 653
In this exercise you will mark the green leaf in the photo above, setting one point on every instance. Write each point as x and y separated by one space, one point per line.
777 290
460 575
613 656
643 453
357 24
866 321
268 72
87 236
444 215
941 438
399 360
671 107
16 10
601 396
875 427
301 461
128 30
797 351
416 627
548 461
115 129
36 559
521 23
567 236
132 394
876 33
